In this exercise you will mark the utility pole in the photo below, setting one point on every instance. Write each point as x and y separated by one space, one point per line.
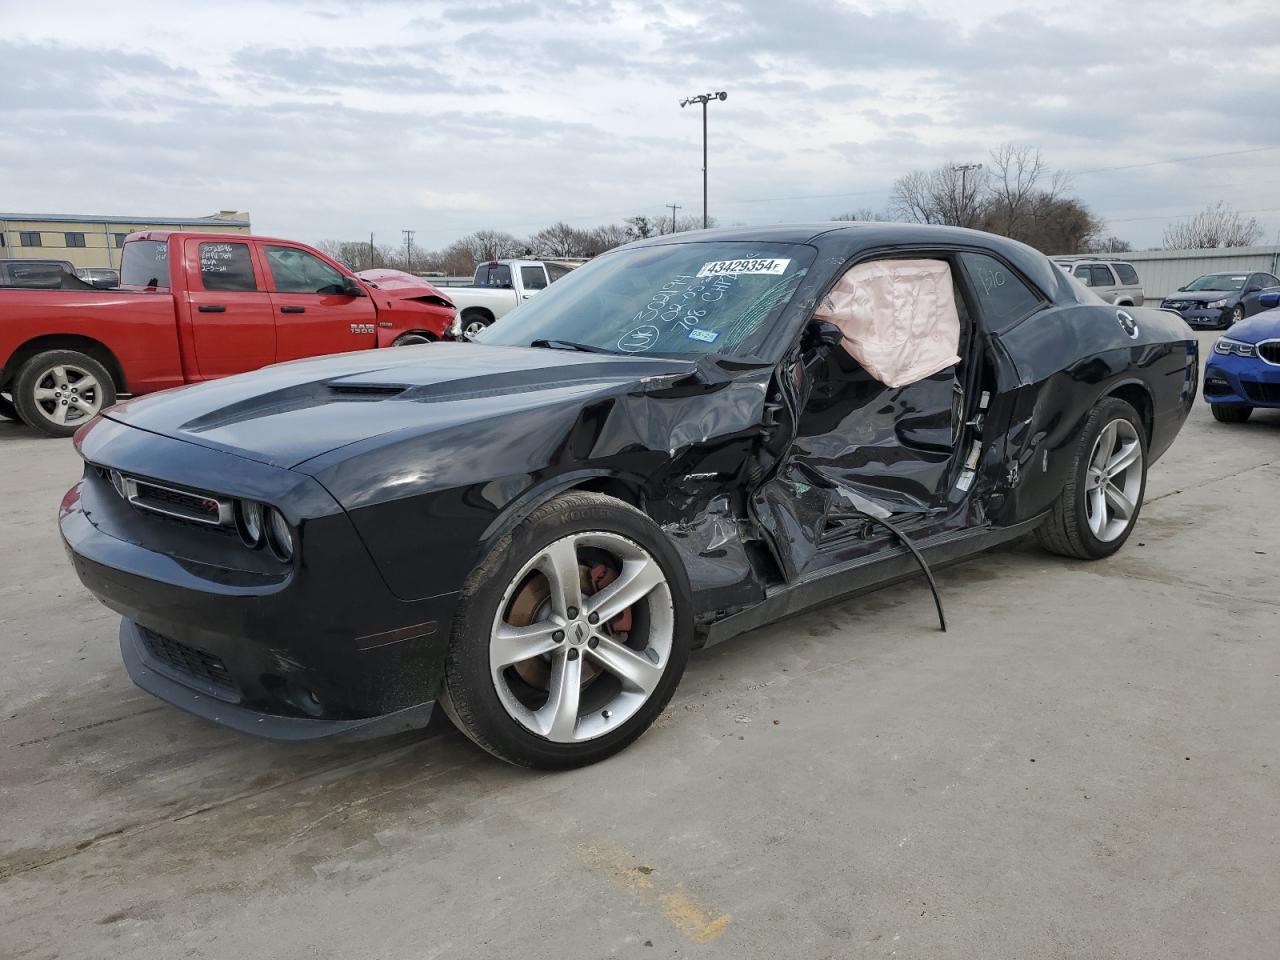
408 249
372 262
704 99
964 169
674 207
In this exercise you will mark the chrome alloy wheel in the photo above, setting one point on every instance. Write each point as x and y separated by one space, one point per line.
471 328
67 394
1113 481
561 664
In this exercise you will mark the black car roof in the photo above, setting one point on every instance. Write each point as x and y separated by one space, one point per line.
848 237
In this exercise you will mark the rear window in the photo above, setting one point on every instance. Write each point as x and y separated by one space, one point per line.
1002 296
557 270
145 263
493 275
533 278
1128 276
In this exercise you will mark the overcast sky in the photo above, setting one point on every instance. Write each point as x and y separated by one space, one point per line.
330 120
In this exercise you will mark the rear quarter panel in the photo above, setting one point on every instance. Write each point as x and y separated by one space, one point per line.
1067 359
138 328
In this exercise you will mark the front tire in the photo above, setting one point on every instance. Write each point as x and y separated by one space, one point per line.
59 391
412 339
571 635
1237 315
473 322
1231 412
1100 502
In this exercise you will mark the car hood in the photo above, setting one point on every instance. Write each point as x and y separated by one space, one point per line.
1259 327
1204 296
287 414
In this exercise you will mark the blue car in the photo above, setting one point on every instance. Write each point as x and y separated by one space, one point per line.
1243 371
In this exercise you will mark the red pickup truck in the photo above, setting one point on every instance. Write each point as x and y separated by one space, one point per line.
191 307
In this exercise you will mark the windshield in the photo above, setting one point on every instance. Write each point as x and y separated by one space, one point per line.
1218 281
673 299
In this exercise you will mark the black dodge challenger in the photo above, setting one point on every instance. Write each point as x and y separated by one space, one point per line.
672 445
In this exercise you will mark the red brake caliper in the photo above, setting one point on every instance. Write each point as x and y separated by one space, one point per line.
601 576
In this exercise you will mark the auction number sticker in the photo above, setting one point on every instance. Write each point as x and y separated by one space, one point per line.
766 265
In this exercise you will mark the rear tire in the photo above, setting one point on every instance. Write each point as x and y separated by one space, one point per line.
1231 412
529 675
59 391
1102 497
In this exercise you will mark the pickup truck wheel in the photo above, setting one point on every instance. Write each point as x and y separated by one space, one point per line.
411 339
59 391
473 323
8 411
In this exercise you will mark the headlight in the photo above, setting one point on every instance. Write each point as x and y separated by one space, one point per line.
279 535
1226 345
249 522
1216 305
455 328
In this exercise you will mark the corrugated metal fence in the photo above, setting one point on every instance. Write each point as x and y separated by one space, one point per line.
1162 272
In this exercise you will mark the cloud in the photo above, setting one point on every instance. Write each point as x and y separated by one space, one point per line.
369 115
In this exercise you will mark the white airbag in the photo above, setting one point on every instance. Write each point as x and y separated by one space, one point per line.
898 318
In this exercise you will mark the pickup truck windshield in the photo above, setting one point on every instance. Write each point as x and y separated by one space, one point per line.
679 298
145 263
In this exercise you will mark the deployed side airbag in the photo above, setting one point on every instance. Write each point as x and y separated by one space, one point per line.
898 318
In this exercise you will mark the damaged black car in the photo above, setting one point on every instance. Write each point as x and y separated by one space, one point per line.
686 438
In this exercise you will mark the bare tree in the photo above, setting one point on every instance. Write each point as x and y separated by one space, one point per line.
1215 226
1108 244
607 237
359 255
865 215
949 194
560 240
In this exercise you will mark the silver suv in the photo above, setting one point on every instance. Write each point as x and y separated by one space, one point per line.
1115 281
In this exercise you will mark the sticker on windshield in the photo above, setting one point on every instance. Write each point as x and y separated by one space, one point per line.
763 265
706 336
640 339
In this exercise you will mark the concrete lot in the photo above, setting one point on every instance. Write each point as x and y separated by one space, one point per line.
1087 765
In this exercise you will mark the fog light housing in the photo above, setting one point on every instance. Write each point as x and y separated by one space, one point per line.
279 535
250 523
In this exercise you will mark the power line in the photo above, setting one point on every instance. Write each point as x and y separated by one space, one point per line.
1157 163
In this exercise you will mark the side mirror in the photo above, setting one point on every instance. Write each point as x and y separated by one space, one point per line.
352 288
1182 289
1270 300
822 333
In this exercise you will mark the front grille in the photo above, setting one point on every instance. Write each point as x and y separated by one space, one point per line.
1261 392
190 661
1269 350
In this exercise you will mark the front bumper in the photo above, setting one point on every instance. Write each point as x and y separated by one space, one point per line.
1203 319
1247 381
315 648
160 680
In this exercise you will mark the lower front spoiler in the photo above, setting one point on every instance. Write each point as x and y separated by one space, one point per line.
246 720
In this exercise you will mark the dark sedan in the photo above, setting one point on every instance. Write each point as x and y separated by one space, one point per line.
685 439
1221 300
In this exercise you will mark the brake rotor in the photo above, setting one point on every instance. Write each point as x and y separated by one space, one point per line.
532 603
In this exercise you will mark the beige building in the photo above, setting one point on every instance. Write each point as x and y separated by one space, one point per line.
95 241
